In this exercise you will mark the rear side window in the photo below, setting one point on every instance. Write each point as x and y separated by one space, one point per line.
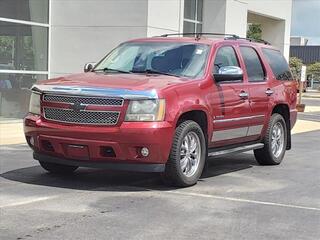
226 56
253 64
278 64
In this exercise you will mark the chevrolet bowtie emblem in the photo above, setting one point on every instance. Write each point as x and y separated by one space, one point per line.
78 107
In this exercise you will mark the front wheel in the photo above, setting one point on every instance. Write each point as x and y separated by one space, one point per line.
57 168
275 142
187 156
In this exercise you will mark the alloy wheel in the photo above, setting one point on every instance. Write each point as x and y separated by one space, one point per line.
190 154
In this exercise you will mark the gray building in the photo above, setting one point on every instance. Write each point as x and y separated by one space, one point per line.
308 54
41 39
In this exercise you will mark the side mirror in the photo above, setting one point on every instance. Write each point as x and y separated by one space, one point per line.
228 73
88 67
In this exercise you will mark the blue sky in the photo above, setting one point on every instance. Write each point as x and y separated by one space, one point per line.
306 20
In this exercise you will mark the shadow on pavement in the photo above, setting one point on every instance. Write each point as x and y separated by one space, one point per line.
103 180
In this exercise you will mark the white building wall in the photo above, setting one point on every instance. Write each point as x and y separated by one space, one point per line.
214 16
84 31
164 16
236 18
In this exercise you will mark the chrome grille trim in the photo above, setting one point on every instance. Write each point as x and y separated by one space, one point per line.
87 100
96 91
81 117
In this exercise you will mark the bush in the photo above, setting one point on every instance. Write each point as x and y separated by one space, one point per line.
295 66
314 70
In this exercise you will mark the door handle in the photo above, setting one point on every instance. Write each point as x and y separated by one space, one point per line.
269 92
243 95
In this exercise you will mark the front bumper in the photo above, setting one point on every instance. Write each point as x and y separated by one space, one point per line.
146 167
84 145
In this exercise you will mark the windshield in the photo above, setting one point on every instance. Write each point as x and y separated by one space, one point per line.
177 59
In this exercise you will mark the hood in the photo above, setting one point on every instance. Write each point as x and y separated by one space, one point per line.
116 80
128 86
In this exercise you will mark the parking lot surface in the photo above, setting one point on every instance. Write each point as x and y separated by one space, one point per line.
235 199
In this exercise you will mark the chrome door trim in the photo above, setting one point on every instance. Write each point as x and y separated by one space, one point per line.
228 134
254 130
238 119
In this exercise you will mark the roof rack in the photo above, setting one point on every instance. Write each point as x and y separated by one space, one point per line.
227 36
198 35
256 40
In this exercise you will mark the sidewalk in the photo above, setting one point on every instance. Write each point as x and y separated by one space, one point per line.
311 94
305 126
310 109
11 133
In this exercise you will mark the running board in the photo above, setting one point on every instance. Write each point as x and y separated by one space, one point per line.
236 150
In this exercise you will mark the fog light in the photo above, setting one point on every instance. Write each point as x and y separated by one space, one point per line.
31 141
144 152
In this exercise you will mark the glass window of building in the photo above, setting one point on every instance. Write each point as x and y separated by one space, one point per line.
24 33
27 10
23 47
192 21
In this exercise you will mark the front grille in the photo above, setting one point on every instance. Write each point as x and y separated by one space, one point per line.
82 117
82 109
83 100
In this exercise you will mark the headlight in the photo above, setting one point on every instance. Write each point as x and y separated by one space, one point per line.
146 110
34 106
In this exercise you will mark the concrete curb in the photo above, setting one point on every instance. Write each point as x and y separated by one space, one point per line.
310 96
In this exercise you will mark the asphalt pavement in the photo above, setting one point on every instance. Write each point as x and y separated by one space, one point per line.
314 115
235 199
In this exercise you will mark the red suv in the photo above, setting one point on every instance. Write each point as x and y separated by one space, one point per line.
165 104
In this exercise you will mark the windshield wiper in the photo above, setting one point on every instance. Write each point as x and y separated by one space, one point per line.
110 70
151 71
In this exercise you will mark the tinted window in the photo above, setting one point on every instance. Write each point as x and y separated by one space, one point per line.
278 64
253 64
226 56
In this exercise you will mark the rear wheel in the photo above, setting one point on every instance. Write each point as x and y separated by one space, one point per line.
57 168
275 142
187 156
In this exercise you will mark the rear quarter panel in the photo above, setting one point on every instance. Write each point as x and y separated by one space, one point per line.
285 92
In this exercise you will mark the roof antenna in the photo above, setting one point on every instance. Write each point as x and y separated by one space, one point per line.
198 36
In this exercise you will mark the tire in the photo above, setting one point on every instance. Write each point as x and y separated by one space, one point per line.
57 168
273 151
185 171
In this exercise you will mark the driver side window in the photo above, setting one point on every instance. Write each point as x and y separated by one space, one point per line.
226 56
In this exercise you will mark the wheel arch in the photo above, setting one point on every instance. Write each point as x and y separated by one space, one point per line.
198 115
284 110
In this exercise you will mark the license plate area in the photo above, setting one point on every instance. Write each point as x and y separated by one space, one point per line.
75 151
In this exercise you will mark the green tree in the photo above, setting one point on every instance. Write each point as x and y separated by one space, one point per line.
314 69
254 31
295 66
